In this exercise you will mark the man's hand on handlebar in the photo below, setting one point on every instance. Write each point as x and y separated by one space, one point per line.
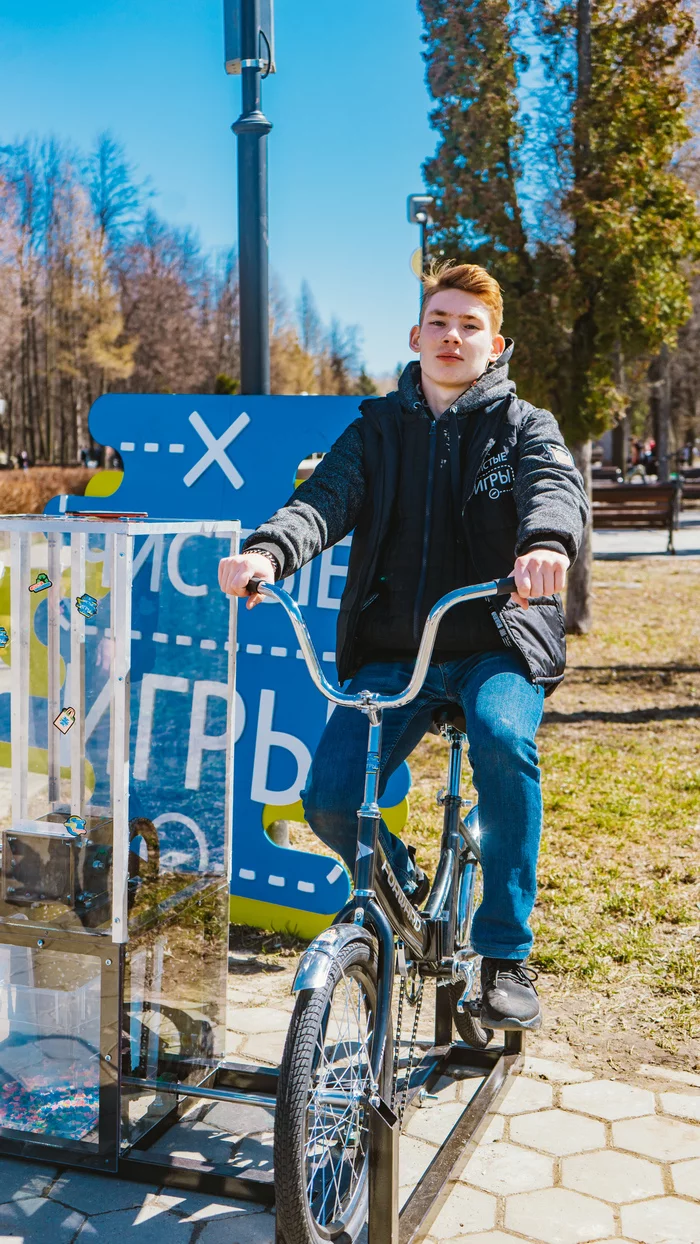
236 572
541 572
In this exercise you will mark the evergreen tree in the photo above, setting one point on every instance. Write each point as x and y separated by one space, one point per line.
595 273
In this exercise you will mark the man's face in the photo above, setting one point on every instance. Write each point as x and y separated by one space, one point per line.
455 341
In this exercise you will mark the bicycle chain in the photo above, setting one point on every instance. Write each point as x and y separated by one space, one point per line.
412 1047
417 1001
397 1041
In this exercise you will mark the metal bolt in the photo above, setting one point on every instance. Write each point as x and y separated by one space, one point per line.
108 963
40 941
108 1058
117 920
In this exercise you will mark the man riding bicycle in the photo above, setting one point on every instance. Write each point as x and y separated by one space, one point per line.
452 480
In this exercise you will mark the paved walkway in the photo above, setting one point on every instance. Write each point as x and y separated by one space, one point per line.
567 1158
621 545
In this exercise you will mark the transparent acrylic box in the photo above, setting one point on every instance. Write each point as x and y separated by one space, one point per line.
117 667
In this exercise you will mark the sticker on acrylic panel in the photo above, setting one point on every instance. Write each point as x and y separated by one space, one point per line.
65 720
76 826
41 583
86 605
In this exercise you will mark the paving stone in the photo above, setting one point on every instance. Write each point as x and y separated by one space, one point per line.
557 1132
37 1220
494 1131
97 1194
20 1179
668 1140
555 1072
465 1210
265 1047
686 1178
238 1119
612 1176
195 1140
666 1221
505 1169
252 1229
196 1206
525 1095
434 1121
254 1019
414 1157
670 1073
487 1237
608 1099
683 1105
557 1216
122 1226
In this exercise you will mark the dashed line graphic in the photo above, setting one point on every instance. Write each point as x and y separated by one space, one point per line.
151 447
336 871
209 645
273 880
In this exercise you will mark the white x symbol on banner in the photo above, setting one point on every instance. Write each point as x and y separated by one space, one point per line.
216 450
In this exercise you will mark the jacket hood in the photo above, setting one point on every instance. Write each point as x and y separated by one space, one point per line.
492 386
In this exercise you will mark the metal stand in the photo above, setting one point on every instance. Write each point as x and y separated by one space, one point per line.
431 1191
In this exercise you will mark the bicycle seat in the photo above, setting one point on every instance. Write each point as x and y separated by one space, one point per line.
449 715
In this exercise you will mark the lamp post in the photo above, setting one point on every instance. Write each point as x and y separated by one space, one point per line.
418 208
249 52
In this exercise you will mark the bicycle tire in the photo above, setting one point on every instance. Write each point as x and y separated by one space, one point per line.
297 1193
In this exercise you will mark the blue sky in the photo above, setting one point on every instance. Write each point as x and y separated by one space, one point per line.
348 105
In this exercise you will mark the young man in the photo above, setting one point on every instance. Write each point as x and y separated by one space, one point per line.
450 481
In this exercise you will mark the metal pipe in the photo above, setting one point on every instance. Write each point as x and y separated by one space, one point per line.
190 1090
251 130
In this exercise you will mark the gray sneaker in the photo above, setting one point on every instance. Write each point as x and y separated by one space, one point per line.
509 999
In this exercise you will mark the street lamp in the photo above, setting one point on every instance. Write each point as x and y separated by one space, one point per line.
418 206
249 51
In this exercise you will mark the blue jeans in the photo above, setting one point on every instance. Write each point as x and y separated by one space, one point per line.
503 711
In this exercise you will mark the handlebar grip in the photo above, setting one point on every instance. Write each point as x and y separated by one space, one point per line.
504 587
253 585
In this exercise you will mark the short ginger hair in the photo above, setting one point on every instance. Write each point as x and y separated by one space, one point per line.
468 277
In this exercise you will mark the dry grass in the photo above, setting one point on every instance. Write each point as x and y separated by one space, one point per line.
617 922
27 492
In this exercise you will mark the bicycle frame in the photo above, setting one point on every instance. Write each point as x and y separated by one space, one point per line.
378 899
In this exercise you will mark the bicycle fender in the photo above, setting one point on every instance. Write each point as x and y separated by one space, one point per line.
316 962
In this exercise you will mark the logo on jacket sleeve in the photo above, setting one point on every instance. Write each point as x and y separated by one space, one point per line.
559 453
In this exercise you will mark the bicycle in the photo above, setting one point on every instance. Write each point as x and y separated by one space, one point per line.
338 1060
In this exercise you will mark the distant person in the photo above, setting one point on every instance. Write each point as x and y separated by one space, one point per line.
452 480
83 455
23 460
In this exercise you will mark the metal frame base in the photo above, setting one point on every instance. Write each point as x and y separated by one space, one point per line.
240 1082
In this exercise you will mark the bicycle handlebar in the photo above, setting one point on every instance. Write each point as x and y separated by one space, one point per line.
498 587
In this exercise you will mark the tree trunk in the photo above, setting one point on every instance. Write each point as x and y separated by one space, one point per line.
663 465
578 598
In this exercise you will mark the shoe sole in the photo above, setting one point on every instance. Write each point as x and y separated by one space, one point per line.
512 1025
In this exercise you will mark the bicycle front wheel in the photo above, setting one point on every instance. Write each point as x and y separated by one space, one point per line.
322 1123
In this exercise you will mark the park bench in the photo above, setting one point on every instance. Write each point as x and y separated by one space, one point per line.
641 506
607 475
690 481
